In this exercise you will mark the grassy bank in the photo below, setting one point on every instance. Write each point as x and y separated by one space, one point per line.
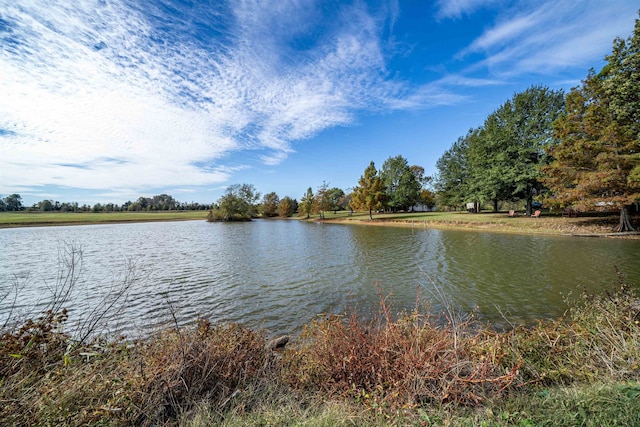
596 224
593 224
26 219
406 369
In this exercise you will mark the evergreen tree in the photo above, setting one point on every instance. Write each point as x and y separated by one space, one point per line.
307 203
370 193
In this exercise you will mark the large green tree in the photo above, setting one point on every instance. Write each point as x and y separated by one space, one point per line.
480 183
237 204
13 202
501 160
370 193
512 146
452 179
401 183
162 202
597 162
336 197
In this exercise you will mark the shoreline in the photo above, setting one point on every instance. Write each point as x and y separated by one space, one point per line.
485 226
486 222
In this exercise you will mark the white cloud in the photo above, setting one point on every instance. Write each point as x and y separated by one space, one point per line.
458 8
459 80
502 34
98 95
551 36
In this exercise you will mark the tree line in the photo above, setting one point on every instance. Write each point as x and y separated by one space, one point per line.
160 202
579 151
397 186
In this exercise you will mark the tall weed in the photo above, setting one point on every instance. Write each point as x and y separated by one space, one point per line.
390 363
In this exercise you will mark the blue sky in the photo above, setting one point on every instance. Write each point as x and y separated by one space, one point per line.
108 100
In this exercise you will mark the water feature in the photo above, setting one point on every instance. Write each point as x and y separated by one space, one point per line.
280 274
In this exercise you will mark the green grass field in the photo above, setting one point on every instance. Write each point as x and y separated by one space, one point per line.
22 219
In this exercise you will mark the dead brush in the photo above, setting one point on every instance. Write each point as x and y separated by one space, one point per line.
392 363
184 367
26 354
599 337
49 379
34 345
606 331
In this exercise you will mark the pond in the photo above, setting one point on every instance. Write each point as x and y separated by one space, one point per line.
279 275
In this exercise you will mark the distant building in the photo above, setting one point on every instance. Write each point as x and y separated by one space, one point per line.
422 208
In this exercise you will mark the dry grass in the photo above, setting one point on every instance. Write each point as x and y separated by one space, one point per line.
156 381
402 363
393 368
600 338
182 368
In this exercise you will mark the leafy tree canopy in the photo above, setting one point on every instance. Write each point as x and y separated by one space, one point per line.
501 160
270 203
336 197
237 204
401 182
287 207
13 202
453 177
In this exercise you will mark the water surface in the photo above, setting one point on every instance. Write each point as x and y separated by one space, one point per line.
280 274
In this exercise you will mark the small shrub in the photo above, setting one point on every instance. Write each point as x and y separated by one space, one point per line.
184 367
398 363
48 378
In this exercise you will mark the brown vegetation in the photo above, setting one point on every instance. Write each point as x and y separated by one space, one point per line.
393 366
400 363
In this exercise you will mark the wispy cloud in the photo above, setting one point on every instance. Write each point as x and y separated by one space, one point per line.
458 8
460 80
502 34
550 36
170 90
